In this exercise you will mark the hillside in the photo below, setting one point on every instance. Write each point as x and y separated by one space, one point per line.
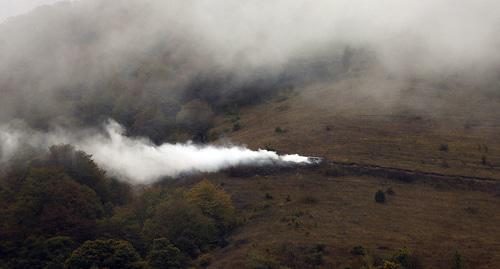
171 134
335 121
433 218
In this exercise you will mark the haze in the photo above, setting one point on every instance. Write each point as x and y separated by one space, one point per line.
18 7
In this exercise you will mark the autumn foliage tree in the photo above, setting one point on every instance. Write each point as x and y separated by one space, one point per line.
214 203
112 254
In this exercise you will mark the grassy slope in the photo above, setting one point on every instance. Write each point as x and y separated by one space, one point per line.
364 131
432 219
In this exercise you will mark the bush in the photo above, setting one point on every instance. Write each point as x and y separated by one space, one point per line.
315 258
407 259
236 126
358 251
457 262
443 147
268 196
391 265
279 130
310 200
380 197
484 160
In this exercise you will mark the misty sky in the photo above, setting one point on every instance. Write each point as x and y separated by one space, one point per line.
9 8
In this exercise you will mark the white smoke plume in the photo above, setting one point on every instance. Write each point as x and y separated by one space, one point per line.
139 160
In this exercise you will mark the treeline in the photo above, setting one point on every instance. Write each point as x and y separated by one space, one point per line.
59 210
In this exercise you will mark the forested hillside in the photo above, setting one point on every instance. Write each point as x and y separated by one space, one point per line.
176 134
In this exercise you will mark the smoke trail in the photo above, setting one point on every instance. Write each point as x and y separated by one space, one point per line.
138 159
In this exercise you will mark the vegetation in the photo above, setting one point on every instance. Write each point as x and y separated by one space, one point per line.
443 147
61 211
279 130
380 197
358 250
236 126
164 255
308 199
113 254
457 262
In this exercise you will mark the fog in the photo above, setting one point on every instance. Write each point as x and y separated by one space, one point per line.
14 8
75 64
72 47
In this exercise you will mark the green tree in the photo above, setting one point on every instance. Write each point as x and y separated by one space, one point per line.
164 255
57 250
51 203
184 224
112 254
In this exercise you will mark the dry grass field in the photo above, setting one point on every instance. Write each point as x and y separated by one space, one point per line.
432 221
301 209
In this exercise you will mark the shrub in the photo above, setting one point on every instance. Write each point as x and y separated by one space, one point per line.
315 258
484 160
443 147
235 119
407 259
268 196
457 262
236 126
310 200
380 197
279 130
391 265
358 251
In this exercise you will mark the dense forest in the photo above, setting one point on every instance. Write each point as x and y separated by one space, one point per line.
59 210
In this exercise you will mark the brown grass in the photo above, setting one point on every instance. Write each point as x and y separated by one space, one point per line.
432 218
